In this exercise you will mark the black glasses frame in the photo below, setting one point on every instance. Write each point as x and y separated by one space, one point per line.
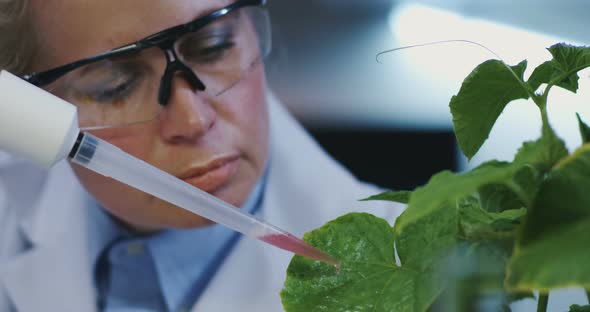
164 39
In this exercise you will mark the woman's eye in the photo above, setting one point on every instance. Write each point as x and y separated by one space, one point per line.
216 52
206 51
107 82
116 92
115 89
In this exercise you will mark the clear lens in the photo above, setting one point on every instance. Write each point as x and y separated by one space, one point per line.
222 52
123 91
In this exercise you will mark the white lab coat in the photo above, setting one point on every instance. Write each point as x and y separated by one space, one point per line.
47 239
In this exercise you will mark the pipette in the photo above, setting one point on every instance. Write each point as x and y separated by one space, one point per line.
43 128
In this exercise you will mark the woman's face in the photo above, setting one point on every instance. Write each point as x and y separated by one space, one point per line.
217 143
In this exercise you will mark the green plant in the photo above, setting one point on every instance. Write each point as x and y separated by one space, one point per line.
493 234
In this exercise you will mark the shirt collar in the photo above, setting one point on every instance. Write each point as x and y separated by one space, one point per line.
104 230
184 258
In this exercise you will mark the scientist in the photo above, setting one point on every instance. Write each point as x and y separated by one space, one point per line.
187 94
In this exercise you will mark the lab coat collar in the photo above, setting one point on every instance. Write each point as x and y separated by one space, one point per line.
58 230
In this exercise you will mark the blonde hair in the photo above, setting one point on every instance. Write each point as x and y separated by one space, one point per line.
16 36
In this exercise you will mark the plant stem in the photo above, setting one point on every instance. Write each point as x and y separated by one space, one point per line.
542 303
544 117
541 102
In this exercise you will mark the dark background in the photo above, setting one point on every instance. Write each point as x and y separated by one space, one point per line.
390 158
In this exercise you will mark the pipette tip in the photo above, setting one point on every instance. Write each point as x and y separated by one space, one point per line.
296 245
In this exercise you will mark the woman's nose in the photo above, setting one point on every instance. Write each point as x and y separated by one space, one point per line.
188 115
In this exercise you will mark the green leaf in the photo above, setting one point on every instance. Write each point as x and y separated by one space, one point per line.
522 176
554 261
429 286
536 158
475 274
547 72
447 211
445 188
398 196
369 279
422 243
498 197
579 308
544 152
482 98
430 243
477 224
556 235
562 70
584 130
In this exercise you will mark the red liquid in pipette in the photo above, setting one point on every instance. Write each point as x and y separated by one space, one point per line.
294 244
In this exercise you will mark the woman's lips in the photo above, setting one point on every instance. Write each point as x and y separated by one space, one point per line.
213 175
